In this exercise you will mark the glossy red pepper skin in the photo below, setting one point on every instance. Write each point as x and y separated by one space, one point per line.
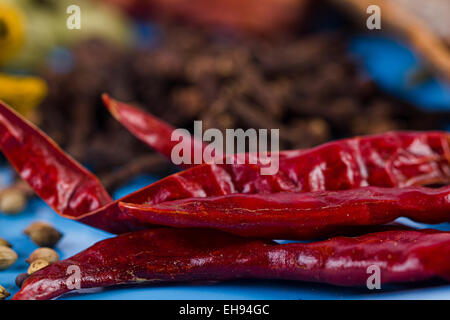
394 159
298 216
150 129
64 184
167 255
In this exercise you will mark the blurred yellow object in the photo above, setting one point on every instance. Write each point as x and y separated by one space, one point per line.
11 31
43 26
23 93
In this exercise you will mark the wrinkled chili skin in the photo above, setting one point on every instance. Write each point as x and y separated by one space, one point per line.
394 159
59 180
389 160
150 129
298 216
167 255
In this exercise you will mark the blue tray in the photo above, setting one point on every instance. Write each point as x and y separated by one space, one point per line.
389 62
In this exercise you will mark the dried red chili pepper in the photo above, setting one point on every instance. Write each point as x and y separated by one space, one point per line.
59 180
300 216
395 159
167 255
76 194
150 129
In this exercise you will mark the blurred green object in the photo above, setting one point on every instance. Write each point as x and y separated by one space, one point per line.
45 26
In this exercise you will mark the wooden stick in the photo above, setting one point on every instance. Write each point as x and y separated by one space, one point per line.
410 26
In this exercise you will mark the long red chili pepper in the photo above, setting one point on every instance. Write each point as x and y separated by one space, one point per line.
185 255
395 159
150 129
59 180
167 255
300 216
76 194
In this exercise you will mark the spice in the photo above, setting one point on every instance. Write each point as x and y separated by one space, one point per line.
86 192
150 129
12 201
7 257
3 293
357 154
46 254
140 164
5 243
402 159
37 265
20 279
298 216
185 255
308 86
43 234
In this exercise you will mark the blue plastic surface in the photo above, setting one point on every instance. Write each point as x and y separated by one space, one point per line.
391 64
388 62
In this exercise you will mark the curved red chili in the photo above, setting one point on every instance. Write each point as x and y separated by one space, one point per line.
59 180
150 129
394 159
167 255
298 216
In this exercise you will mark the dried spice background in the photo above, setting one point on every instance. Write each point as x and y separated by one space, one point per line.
307 86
